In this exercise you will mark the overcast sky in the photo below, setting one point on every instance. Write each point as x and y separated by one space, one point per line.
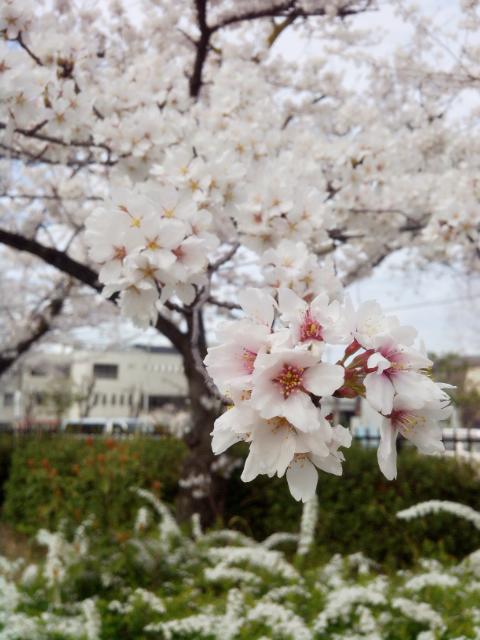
444 306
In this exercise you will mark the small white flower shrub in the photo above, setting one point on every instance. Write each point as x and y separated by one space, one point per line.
223 585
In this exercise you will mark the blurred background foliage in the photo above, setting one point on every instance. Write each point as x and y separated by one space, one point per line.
45 482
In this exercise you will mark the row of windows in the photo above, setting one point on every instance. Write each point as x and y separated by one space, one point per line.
154 402
56 370
110 371
122 399
165 368
101 371
104 399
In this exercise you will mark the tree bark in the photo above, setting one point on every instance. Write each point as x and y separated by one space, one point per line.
201 490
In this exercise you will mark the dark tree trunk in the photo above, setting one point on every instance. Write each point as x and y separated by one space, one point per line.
201 490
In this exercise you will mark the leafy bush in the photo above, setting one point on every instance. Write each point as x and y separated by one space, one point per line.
64 478
357 510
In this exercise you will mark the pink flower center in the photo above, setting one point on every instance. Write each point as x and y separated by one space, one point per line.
120 253
179 252
289 380
393 357
310 329
248 360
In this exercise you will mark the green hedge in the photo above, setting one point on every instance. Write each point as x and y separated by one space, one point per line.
358 510
68 479
64 478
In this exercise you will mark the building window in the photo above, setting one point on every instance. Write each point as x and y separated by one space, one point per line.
95 399
105 371
104 399
39 370
120 400
114 399
157 401
62 370
8 400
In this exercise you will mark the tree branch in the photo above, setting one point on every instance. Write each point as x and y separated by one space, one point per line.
288 10
81 272
367 265
33 133
30 53
53 257
202 45
45 196
223 304
39 324
281 10
412 225
197 347
222 260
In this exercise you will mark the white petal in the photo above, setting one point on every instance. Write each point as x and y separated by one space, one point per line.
329 464
316 442
377 360
222 440
426 435
275 448
415 386
387 452
186 292
380 392
258 304
302 478
289 302
301 412
405 335
253 466
342 436
323 379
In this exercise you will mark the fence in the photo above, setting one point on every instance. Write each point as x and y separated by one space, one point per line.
462 442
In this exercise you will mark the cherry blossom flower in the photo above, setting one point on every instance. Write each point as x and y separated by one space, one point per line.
276 447
419 425
275 443
369 321
284 380
316 323
232 363
397 371
302 475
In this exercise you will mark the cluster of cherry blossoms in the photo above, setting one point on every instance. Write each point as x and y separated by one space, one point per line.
279 385
150 245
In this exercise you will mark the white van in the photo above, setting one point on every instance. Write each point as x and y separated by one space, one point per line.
94 426
106 426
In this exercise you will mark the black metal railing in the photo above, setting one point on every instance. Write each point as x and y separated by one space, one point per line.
457 441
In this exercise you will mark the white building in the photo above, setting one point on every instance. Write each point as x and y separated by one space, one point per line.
76 383
47 387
